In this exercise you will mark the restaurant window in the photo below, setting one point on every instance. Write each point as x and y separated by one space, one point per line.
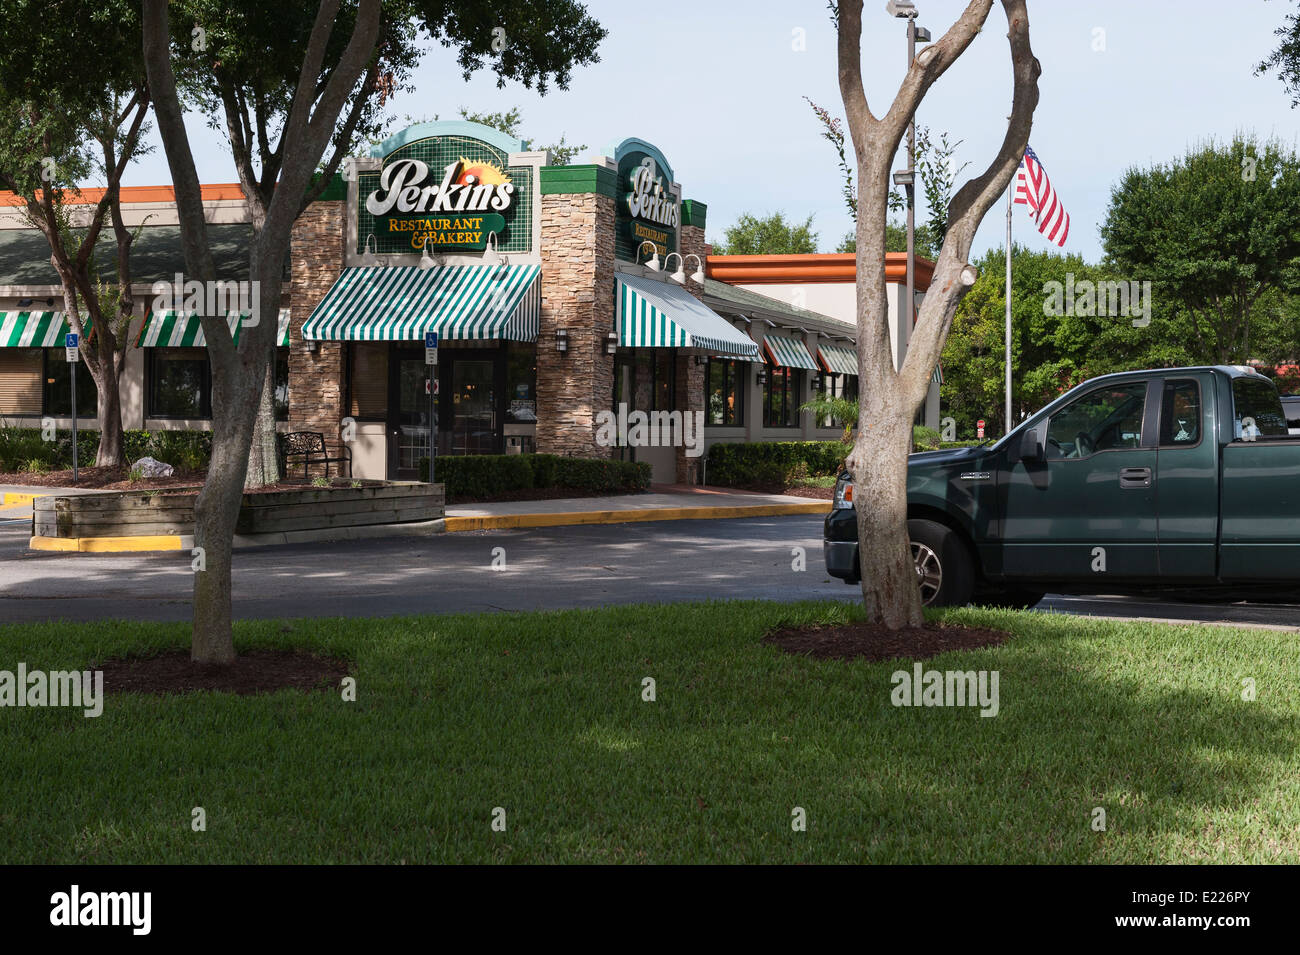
180 383
724 392
368 381
58 386
521 383
650 386
281 395
781 397
20 381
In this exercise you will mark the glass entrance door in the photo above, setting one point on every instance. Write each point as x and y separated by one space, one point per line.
472 426
409 417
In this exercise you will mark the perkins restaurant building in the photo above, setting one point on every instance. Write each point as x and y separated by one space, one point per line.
564 298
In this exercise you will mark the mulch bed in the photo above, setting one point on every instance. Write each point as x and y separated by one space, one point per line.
864 641
254 671
105 479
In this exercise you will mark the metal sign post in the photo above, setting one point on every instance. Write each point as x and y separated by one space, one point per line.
71 351
431 359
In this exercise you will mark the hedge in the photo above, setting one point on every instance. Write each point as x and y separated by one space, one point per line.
23 449
772 462
486 475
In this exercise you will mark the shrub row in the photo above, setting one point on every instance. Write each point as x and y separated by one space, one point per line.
486 475
23 449
745 464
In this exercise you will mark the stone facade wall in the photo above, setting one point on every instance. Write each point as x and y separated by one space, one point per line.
690 373
577 248
315 378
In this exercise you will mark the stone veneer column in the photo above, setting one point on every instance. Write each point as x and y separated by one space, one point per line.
690 374
577 249
315 378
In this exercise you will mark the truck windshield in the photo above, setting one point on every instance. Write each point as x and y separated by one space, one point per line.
1255 402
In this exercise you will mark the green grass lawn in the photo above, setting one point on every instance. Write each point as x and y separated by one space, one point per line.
542 714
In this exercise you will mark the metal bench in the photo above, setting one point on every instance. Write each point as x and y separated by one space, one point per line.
309 447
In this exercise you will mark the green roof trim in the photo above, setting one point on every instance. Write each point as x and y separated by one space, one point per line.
567 180
694 212
337 188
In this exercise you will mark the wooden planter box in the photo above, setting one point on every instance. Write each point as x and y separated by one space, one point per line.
140 514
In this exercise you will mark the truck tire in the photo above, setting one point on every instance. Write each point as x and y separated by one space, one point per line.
945 570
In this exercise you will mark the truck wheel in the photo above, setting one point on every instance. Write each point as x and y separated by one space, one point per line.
944 568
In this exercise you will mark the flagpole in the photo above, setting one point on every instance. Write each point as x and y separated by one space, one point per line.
1010 188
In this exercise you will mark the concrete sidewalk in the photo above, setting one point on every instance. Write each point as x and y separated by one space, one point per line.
664 502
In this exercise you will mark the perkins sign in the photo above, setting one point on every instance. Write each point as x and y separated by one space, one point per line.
457 212
649 211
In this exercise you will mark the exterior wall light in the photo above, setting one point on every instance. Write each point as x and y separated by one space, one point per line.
369 258
561 340
611 343
490 254
426 261
678 276
762 377
698 275
653 263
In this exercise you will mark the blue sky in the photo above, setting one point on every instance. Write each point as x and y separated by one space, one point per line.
718 85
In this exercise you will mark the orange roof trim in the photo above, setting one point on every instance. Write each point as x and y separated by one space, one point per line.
132 194
812 268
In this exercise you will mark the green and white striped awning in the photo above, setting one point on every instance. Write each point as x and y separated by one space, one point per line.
653 314
937 375
35 329
401 303
171 329
789 352
837 359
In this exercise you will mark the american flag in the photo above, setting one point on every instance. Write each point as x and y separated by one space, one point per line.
1034 189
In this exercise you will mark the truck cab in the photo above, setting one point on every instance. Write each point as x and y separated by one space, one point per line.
1151 480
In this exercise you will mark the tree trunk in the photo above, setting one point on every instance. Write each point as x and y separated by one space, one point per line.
263 461
889 589
215 514
109 407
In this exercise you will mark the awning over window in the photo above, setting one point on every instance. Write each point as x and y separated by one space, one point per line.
401 303
35 329
937 375
838 359
655 314
170 329
789 352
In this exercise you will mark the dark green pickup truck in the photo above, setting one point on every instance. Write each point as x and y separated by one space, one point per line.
1175 479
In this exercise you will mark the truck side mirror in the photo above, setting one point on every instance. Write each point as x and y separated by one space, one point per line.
1031 445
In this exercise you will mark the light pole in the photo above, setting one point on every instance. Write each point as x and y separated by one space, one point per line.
906 9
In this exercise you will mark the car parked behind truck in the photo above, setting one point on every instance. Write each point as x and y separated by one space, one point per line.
1167 479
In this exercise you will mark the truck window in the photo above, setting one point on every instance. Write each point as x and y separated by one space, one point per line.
1256 399
1102 420
1180 414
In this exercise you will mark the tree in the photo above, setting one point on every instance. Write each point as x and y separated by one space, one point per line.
1214 231
509 123
1285 60
282 76
74 109
768 235
878 460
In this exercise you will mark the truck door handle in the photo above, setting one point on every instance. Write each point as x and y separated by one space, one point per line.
1134 477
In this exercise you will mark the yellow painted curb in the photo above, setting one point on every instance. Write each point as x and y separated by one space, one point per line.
9 498
107 545
561 519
